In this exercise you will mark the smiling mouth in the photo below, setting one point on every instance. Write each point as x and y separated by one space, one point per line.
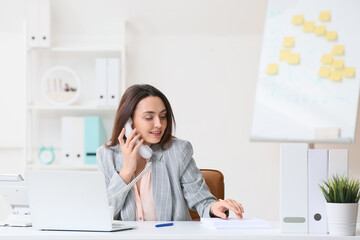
156 133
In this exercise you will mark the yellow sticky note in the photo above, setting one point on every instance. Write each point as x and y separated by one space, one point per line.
326 58
297 19
319 30
288 41
338 63
335 76
272 69
349 72
294 58
284 54
308 26
325 16
338 50
324 72
331 35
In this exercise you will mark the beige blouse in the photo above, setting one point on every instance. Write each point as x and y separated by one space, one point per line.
144 201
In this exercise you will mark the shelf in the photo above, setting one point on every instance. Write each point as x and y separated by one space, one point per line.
44 121
91 48
71 108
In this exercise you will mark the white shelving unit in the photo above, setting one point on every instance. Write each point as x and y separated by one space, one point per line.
43 120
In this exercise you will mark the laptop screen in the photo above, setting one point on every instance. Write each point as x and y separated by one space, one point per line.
68 200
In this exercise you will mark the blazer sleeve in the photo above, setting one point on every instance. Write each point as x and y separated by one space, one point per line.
114 183
196 192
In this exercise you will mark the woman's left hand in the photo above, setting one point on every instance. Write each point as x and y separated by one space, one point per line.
218 208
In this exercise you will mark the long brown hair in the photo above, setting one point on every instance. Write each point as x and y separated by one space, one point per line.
132 96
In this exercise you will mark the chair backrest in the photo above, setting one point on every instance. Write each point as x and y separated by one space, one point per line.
214 179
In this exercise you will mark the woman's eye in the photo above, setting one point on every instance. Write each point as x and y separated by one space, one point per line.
163 117
148 118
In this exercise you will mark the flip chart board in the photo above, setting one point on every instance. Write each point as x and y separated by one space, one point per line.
308 78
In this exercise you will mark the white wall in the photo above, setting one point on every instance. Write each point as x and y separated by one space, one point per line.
12 90
203 54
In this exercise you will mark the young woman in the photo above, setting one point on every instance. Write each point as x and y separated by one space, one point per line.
174 184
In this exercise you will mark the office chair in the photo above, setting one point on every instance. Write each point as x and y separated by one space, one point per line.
214 179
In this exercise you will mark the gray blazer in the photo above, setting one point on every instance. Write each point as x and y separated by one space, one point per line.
177 183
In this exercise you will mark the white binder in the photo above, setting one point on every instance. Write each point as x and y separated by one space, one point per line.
101 81
317 173
44 23
38 23
293 188
78 150
72 139
113 73
67 128
338 162
32 23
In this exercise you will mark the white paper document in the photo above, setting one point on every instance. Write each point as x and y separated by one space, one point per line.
234 223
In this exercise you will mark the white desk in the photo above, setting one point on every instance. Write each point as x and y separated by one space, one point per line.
147 230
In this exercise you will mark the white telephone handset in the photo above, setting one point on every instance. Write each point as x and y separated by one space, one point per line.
144 150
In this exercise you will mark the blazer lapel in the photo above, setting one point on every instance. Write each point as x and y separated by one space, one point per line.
161 187
128 212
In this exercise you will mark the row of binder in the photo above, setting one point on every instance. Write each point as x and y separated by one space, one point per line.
38 23
107 81
80 138
302 204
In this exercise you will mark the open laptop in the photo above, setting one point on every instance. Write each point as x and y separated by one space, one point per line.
70 200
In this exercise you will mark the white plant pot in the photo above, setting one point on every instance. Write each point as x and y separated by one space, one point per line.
342 218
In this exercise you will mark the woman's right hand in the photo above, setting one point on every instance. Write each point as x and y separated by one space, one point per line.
130 154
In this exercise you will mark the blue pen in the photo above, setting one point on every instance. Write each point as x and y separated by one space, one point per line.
164 225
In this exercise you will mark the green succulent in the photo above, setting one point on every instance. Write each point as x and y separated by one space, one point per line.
341 189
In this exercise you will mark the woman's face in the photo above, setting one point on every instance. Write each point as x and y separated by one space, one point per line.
150 120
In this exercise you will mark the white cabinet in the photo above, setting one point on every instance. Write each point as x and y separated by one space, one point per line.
43 119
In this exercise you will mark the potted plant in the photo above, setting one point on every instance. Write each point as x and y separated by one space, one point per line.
342 197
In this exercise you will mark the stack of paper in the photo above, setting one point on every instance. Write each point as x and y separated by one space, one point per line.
11 178
235 223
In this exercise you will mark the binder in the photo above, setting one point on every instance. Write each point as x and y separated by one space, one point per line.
38 23
317 173
338 162
94 137
32 23
293 188
66 140
101 81
78 140
72 141
43 23
113 73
